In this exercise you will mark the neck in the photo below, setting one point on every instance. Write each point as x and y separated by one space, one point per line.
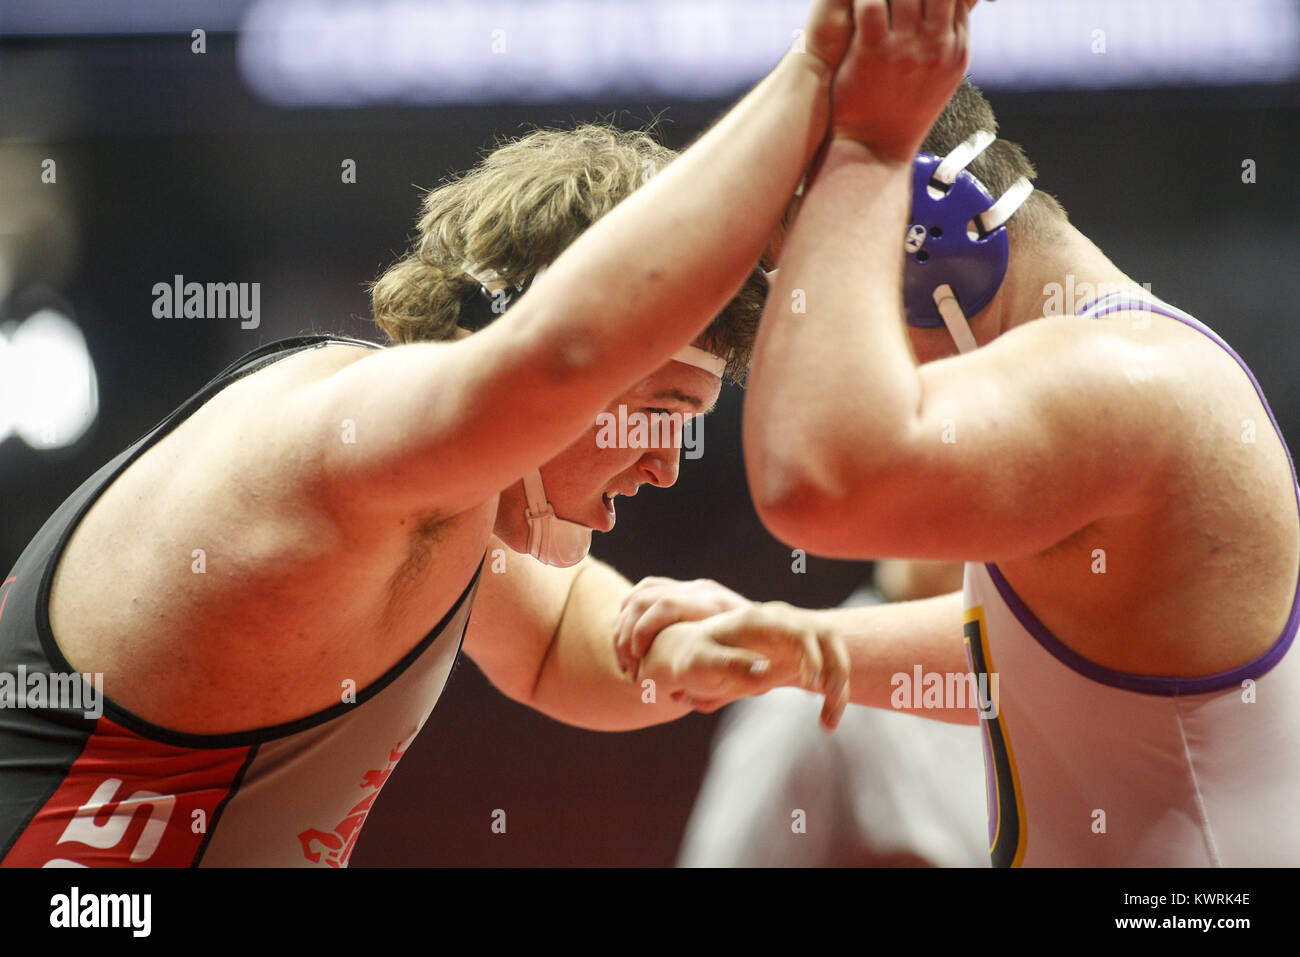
1052 273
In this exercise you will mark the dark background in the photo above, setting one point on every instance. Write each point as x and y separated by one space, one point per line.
166 165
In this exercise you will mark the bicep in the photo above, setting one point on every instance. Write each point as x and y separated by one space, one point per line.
435 426
516 617
1017 446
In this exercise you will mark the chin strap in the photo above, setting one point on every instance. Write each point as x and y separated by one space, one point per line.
551 539
954 318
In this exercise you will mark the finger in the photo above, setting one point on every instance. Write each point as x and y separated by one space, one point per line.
702 705
667 611
620 642
723 597
810 662
829 23
709 705
905 16
961 32
631 613
670 609
647 627
941 14
649 583
623 637
838 666
833 711
871 21
722 672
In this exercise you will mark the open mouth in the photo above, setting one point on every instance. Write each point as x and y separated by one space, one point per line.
608 501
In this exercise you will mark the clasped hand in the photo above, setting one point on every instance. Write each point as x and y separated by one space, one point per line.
705 645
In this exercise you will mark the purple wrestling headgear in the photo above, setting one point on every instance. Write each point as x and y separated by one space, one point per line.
956 243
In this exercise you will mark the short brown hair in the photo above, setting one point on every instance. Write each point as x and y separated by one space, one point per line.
518 209
1000 165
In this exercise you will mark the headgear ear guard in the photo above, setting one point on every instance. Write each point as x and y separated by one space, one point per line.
551 540
956 242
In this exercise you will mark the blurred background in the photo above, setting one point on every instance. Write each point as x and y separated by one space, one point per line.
145 139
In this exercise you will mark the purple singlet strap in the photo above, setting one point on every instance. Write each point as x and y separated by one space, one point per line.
1158 684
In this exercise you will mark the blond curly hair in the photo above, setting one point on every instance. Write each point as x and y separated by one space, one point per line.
518 209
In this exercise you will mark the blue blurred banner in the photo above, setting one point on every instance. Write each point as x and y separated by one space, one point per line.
359 52
363 52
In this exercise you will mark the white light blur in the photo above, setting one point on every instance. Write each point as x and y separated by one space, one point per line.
362 52
49 395
7 409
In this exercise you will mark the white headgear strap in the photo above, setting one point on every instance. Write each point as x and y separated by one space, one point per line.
993 217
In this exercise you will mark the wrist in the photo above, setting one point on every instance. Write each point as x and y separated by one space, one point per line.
806 61
814 78
848 147
663 660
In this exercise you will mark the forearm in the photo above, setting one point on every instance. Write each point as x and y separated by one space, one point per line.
835 391
888 643
579 681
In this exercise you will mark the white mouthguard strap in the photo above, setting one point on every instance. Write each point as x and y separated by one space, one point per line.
954 318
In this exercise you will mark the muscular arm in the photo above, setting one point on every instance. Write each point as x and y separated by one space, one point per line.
872 643
441 426
885 640
544 637
852 450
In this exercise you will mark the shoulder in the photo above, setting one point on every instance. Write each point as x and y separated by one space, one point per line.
249 428
1129 362
1068 377
315 362
267 402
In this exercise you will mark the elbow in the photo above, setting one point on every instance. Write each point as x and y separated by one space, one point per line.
837 509
800 505
799 522
827 487
791 483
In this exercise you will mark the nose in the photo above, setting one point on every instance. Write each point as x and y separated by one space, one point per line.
660 466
